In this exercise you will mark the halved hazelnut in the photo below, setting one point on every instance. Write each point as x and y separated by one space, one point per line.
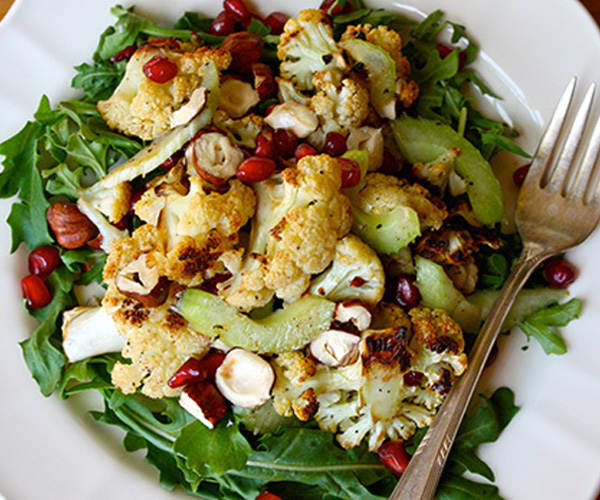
245 379
237 97
354 311
335 348
293 116
189 110
141 281
264 82
368 138
214 157
203 402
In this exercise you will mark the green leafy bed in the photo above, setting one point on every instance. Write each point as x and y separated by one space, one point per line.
69 147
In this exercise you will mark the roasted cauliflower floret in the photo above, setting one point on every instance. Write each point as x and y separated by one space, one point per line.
243 131
404 371
437 173
114 202
301 215
142 107
382 193
158 341
307 46
355 273
339 107
389 40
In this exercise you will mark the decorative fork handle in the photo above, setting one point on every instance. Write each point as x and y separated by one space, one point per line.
421 477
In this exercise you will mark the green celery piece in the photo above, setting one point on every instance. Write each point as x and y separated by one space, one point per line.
284 330
382 74
387 233
438 291
527 303
422 141
163 147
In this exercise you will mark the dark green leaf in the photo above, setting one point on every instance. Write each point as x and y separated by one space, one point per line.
193 22
98 81
214 451
504 143
429 28
458 488
258 27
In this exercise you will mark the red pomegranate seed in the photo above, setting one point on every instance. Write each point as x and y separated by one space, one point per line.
267 496
270 108
95 243
35 291
520 174
335 144
245 49
223 25
407 294
160 69
238 9
285 143
413 378
338 9
208 399
304 150
393 455
172 160
197 370
123 223
350 173
276 21
44 260
559 273
255 169
124 55
265 144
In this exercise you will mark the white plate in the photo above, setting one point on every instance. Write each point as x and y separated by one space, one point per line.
530 48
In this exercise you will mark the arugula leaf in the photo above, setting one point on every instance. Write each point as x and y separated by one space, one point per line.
542 325
193 22
98 81
460 488
258 27
212 451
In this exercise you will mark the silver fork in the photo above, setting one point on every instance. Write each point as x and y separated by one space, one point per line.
558 207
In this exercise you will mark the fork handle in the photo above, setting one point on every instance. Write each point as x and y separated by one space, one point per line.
420 479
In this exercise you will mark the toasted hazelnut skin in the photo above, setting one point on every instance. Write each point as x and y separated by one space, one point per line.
71 228
264 81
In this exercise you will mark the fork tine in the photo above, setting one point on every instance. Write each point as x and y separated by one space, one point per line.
550 138
584 184
560 175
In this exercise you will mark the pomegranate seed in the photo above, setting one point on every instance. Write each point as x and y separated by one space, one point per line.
335 144
124 55
407 294
238 9
255 169
413 378
304 150
209 399
520 174
245 49
393 455
223 25
270 108
445 51
285 143
35 291
350 173
559 273
172 160
338 9
267 496
276 21
492 356
160 69
265 144
44 260
95 243
197 370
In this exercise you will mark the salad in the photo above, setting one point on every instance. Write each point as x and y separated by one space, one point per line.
269 243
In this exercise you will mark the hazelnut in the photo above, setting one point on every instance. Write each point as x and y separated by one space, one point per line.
71 228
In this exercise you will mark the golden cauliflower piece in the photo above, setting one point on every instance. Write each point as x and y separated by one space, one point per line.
142 107
158 342
339 106
307 46
301 214
242 131
382 193
389 40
